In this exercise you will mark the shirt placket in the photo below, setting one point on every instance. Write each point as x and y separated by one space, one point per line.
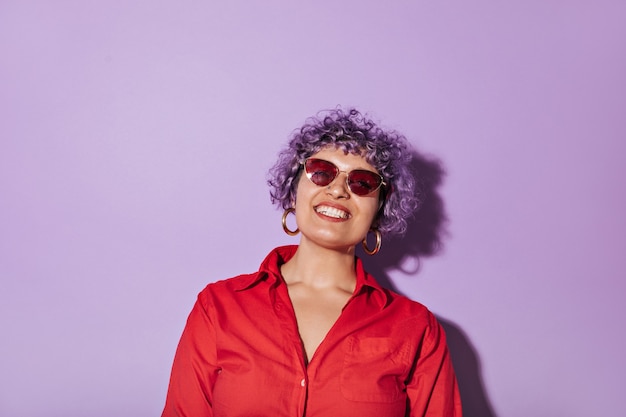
287 318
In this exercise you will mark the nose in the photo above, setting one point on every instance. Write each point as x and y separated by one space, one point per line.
338 188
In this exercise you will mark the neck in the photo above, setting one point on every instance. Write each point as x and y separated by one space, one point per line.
320 267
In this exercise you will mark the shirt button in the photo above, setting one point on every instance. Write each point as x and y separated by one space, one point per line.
303 382
278 306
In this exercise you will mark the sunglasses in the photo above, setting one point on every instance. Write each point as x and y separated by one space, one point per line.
360 181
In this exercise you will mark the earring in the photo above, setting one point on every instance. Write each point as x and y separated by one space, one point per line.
379 241
285 228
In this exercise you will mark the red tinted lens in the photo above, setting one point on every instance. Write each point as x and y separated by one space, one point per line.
362 182
320 172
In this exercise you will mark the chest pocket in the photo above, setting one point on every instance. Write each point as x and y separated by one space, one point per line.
374 369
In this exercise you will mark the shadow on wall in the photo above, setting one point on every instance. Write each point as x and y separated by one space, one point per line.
424 239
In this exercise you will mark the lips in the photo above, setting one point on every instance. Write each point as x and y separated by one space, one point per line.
333 212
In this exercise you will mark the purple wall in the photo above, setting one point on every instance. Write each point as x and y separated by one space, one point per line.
135 139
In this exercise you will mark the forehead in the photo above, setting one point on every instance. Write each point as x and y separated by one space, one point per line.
343 161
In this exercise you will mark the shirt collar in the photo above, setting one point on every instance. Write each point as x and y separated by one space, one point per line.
270 271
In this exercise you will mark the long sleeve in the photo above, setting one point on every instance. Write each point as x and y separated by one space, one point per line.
194 370
433 390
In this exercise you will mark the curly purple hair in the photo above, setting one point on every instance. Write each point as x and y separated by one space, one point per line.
387 151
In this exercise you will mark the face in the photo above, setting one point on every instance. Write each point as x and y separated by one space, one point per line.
332 216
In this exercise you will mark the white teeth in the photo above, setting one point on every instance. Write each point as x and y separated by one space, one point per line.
332 212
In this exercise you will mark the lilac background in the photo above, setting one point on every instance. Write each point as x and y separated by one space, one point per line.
135 138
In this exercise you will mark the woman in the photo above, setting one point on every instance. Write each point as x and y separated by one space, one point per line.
311 333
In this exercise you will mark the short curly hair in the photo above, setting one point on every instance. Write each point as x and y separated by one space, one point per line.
351 131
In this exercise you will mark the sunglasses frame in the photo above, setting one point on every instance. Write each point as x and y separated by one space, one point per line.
381 185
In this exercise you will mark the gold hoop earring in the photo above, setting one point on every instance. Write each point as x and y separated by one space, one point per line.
285 228
379 241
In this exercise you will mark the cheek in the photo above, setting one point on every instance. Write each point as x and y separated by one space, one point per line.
368 213
373 205
303 192
376 210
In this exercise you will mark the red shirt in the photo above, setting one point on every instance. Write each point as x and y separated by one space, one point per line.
241 355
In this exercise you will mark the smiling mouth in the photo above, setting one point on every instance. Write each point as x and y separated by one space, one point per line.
332 212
